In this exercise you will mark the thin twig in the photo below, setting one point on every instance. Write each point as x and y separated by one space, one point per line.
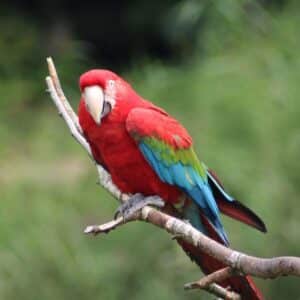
217 290
61 95
66 116
214 277
104 228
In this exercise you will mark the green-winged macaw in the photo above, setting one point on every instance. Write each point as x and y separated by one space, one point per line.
148 154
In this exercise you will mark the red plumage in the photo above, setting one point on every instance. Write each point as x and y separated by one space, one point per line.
243 285
117 151
114 148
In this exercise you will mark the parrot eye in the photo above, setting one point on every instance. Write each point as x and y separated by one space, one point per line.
106 109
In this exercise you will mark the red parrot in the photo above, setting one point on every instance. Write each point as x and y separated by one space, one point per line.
149 155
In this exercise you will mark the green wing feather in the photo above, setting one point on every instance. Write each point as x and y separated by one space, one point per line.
168 155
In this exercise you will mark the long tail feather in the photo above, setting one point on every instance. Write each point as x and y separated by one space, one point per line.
232 207
243 285
238 211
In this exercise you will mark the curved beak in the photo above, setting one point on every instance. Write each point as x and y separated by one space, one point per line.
94 100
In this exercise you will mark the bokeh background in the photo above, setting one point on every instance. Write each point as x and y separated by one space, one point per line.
229 70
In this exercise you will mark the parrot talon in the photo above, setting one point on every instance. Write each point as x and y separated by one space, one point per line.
136 203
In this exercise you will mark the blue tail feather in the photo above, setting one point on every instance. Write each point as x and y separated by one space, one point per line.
204 198
220 189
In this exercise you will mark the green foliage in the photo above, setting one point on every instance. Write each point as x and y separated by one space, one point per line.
241 106
24 48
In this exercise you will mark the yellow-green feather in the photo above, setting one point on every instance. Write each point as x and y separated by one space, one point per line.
169 155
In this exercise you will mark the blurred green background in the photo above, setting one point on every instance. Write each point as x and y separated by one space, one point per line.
228 70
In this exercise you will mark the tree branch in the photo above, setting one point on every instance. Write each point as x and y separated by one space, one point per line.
209 283
237 262
214 277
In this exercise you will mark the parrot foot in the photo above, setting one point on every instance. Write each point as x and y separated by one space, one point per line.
136 203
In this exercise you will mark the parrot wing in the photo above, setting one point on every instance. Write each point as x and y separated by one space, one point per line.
167 147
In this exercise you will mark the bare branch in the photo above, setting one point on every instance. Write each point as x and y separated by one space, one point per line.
104 228
242 263
237 262
214 277
217 290
64 113
209 283
61 95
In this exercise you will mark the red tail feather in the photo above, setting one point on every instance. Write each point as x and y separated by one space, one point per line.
236 209
240 284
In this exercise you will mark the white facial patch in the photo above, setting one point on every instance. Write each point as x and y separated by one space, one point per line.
110 93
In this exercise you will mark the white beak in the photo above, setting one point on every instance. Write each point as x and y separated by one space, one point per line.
94 100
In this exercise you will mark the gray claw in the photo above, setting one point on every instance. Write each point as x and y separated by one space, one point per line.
135 203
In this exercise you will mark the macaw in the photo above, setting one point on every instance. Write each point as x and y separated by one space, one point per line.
149 154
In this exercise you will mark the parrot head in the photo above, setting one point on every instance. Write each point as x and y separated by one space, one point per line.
101 91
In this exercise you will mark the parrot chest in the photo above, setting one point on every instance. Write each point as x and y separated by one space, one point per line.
113 147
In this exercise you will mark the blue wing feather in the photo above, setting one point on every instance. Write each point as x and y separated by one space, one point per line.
187 178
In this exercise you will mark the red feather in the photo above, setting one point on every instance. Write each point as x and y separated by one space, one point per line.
243 285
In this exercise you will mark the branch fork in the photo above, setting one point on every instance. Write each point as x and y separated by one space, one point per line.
237 262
